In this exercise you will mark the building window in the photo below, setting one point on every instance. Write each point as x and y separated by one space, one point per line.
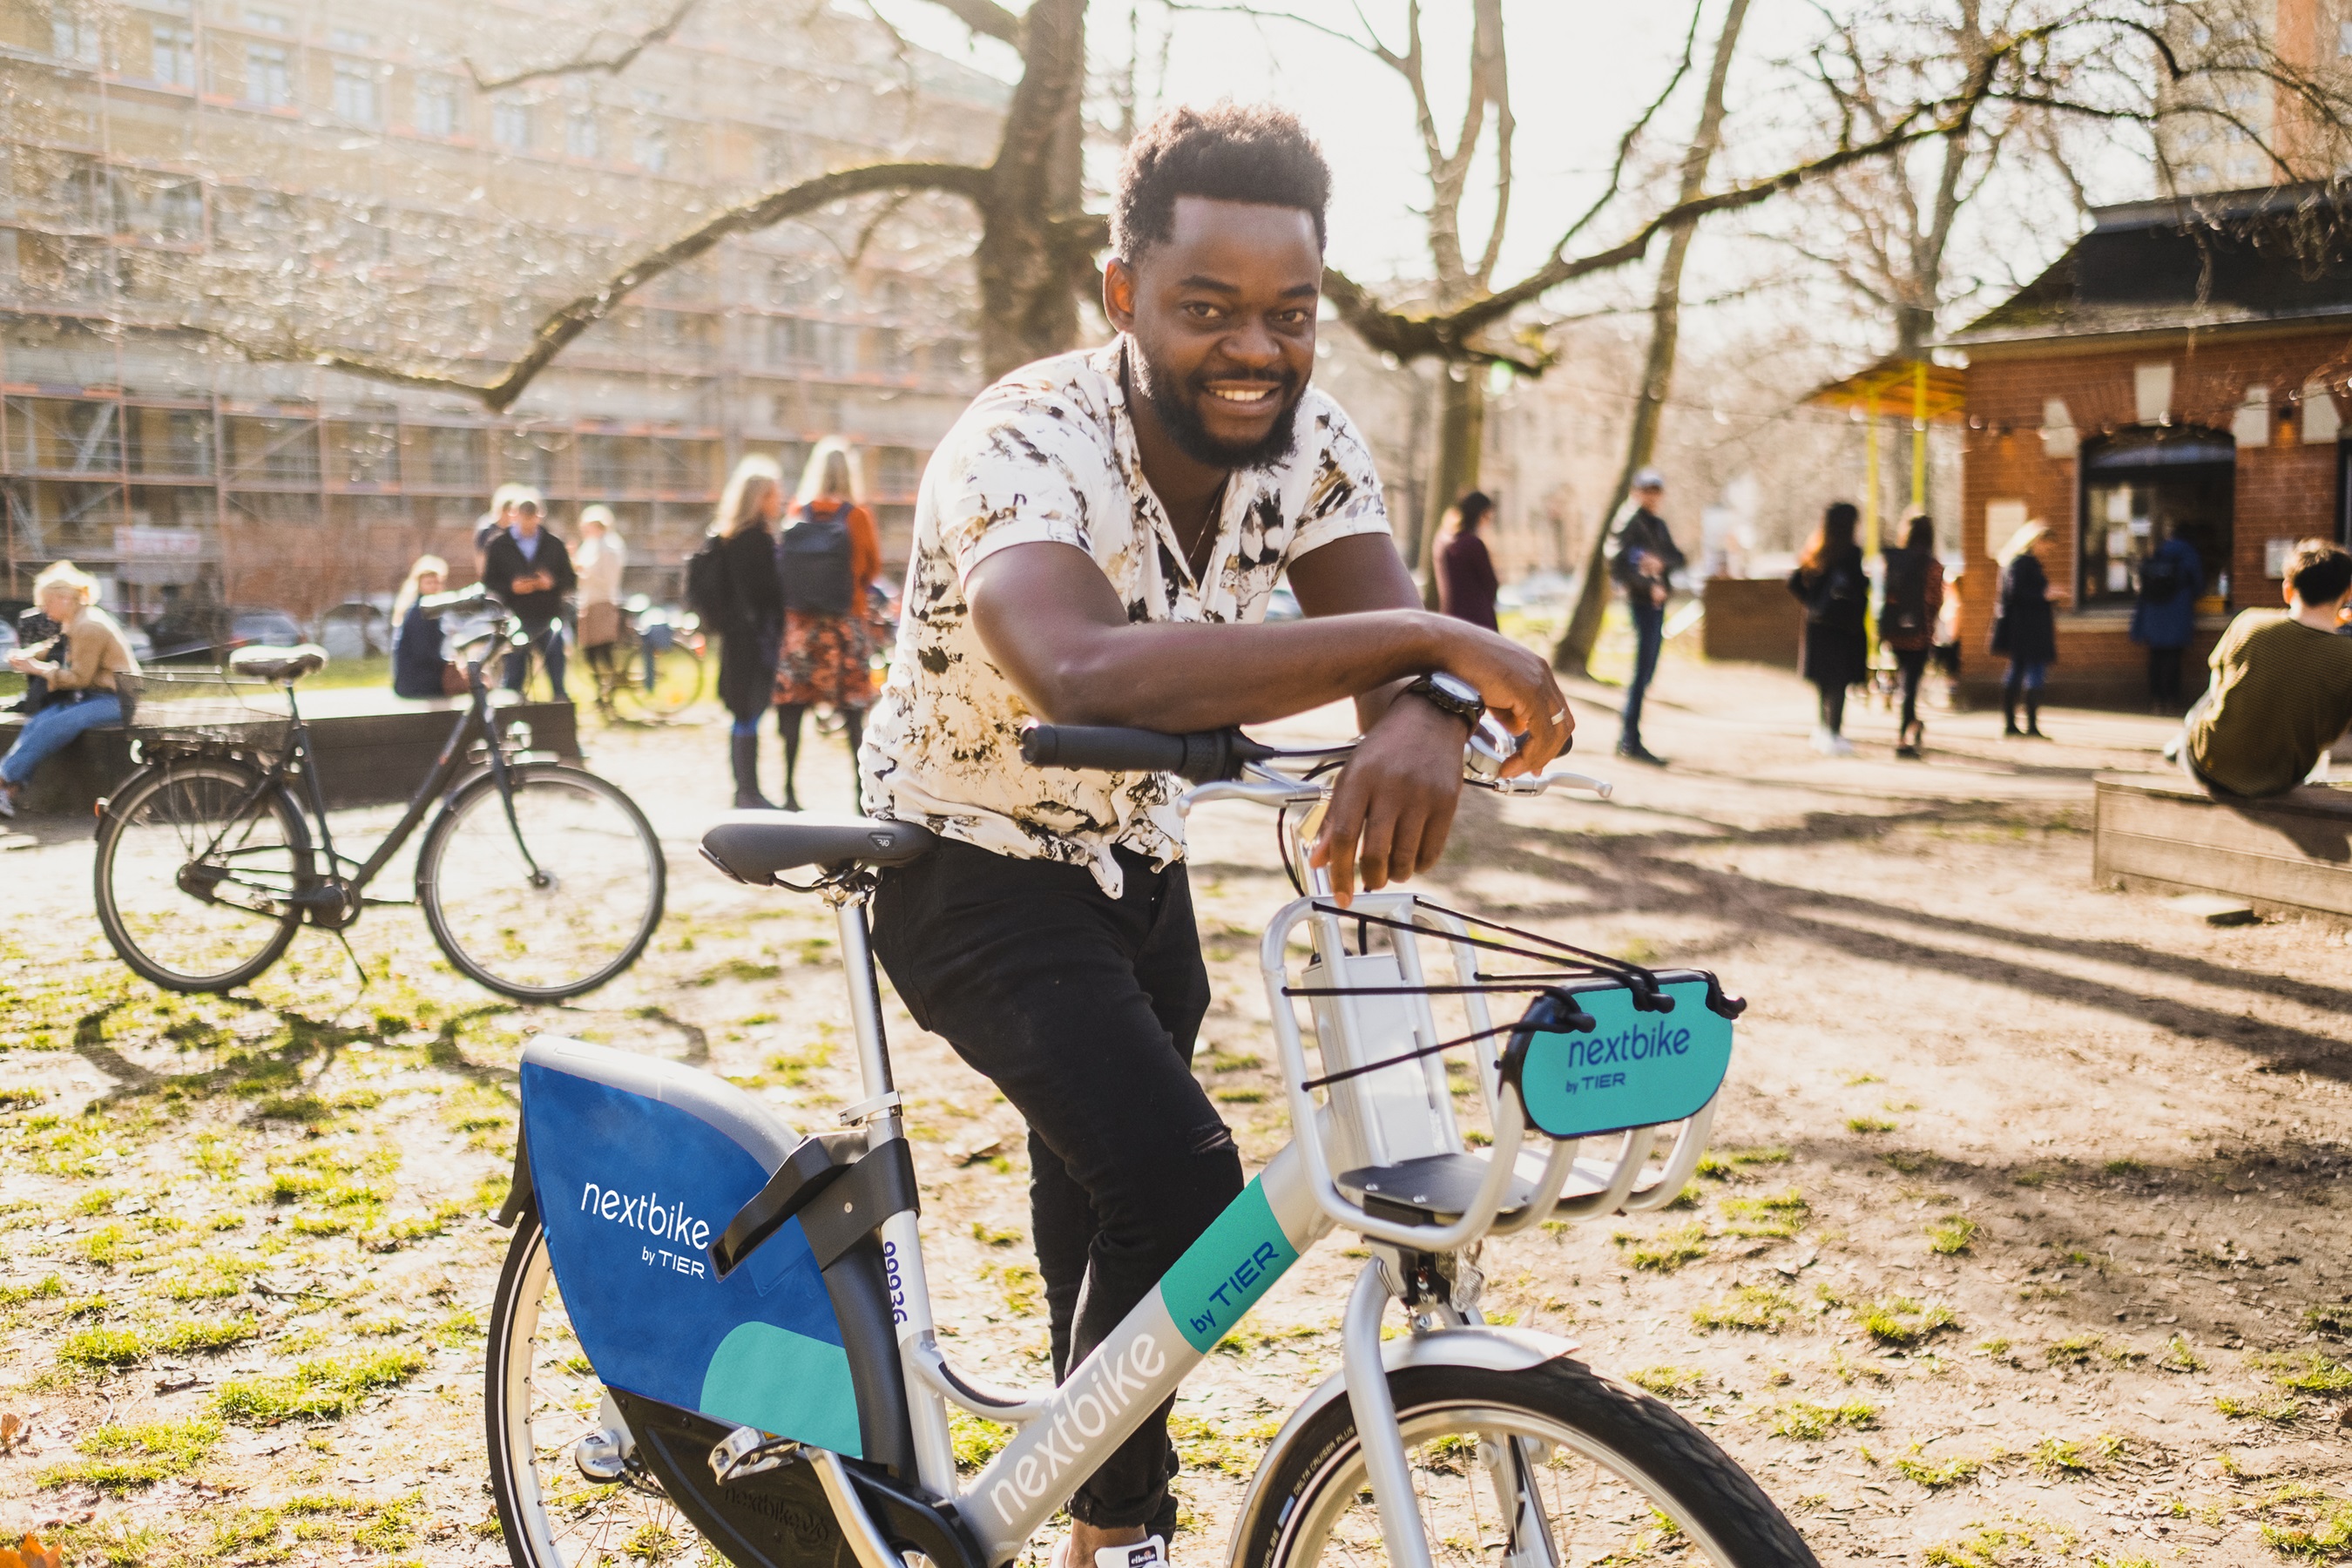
268 84
511 123
582 136
72 34
356 97
2142 486
268 22
651 149
173 61
350 39
436 106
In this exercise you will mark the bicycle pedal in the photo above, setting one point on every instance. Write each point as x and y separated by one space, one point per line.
748 1451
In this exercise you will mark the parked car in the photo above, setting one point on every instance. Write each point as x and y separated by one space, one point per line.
255 628
9 643
354 629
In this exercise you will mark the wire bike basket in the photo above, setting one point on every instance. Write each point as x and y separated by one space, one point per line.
206 709
1601 1049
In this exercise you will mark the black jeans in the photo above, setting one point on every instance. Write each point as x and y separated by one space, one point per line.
2164 677
1910 664
1083 1009
1832 707
549 635
1649 638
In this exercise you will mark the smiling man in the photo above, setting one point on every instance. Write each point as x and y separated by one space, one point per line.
1095 542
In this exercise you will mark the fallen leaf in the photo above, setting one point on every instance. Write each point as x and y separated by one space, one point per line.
978 1152
13 1431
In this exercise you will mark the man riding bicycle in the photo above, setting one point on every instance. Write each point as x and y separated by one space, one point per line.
1095 542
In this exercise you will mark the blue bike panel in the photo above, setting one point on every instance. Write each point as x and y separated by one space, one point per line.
631 1191
1633 1069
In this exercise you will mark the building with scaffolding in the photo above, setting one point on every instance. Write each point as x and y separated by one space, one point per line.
198 191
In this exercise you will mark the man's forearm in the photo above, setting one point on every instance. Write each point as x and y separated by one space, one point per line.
1181 677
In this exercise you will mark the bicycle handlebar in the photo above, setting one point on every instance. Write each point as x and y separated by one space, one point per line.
1203 756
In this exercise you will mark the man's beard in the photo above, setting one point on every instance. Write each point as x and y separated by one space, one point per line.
1183 422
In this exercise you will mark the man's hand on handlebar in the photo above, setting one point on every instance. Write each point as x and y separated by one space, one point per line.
1393 805
1519 691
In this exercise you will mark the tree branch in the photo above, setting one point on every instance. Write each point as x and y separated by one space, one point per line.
611 65
568 321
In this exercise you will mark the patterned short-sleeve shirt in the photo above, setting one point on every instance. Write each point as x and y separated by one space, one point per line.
1048 454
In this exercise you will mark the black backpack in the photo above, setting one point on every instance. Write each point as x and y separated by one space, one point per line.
1905 610
2159 578
709 592
813 563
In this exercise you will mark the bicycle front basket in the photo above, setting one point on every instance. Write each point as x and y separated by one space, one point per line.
1587 1060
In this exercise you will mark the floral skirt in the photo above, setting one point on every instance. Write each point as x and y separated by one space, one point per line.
826 659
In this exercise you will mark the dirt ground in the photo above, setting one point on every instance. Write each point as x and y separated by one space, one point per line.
2026 1238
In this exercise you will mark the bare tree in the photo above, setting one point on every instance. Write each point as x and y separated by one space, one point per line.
1574 650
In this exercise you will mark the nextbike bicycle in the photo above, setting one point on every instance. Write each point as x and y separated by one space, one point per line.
713 1338
539 880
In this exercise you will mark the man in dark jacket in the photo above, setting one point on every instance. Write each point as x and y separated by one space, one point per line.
1645 556
530 571
2163 618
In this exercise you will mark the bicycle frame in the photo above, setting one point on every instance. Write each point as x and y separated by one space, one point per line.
1065 1432
333 897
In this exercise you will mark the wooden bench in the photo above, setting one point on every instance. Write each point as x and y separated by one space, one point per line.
372 748
2291 853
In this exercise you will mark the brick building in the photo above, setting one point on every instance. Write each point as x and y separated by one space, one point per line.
2181 370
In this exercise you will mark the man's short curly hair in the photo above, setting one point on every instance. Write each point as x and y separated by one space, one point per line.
1231 152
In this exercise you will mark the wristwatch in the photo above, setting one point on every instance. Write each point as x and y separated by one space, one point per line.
1450 694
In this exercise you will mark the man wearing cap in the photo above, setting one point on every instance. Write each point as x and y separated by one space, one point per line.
1646 555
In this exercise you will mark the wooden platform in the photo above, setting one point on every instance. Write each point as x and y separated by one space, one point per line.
372 748
2291 853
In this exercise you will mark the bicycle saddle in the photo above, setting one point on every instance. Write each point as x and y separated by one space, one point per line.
755 845
277 663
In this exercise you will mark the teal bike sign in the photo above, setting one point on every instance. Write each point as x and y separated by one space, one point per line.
1590 1059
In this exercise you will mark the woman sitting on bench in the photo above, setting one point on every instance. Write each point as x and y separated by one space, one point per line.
81 664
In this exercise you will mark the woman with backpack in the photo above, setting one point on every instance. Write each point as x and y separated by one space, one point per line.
1907 619
826 561
1829 582
732 581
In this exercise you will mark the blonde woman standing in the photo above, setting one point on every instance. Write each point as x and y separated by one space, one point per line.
826 561
599 561
85 665
749 618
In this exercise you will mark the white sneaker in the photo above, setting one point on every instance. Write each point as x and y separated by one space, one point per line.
1150 1552
1840 746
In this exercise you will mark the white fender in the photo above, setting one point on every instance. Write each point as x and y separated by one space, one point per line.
1484 1349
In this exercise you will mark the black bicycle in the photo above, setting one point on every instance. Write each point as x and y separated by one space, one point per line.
540 880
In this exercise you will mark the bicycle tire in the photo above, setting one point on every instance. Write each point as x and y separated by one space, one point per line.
182 799
1313 1509
493 873
543 1498
676 685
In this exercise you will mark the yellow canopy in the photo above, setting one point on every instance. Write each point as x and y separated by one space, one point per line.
1903 388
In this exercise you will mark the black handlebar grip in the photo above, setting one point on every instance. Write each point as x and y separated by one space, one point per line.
1201 757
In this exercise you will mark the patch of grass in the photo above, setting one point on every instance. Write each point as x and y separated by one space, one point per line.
1995 1347
2331 1317
48 1288
2307 1372
1902 1322
2302 1521
994 1236
1690 1197
1022 1287
1775 1216
1759 1308
109 1244
1247 1337
975 1441
205 1336
1722 1164
2126 1167
1953 1234
1233 1061
2178 1357
2064 1455
1933 1474
1669 1382
737 969
1664 1251
1855 1080
1909 1162
1238 1094
792 1068
1868 1124
116 1458
2028 1178
1204 1444
2279 1412
102 1350
1809 1422
320 1390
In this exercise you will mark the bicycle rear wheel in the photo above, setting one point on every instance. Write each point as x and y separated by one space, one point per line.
675 684
1613 1476
194 869
542 1397
550 904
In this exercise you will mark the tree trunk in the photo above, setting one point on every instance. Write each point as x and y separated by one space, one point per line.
1028 308
1574 653
1461 442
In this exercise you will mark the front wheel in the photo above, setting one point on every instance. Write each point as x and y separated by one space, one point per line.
541 1399
196 868
549 901
1609 1475
665 682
